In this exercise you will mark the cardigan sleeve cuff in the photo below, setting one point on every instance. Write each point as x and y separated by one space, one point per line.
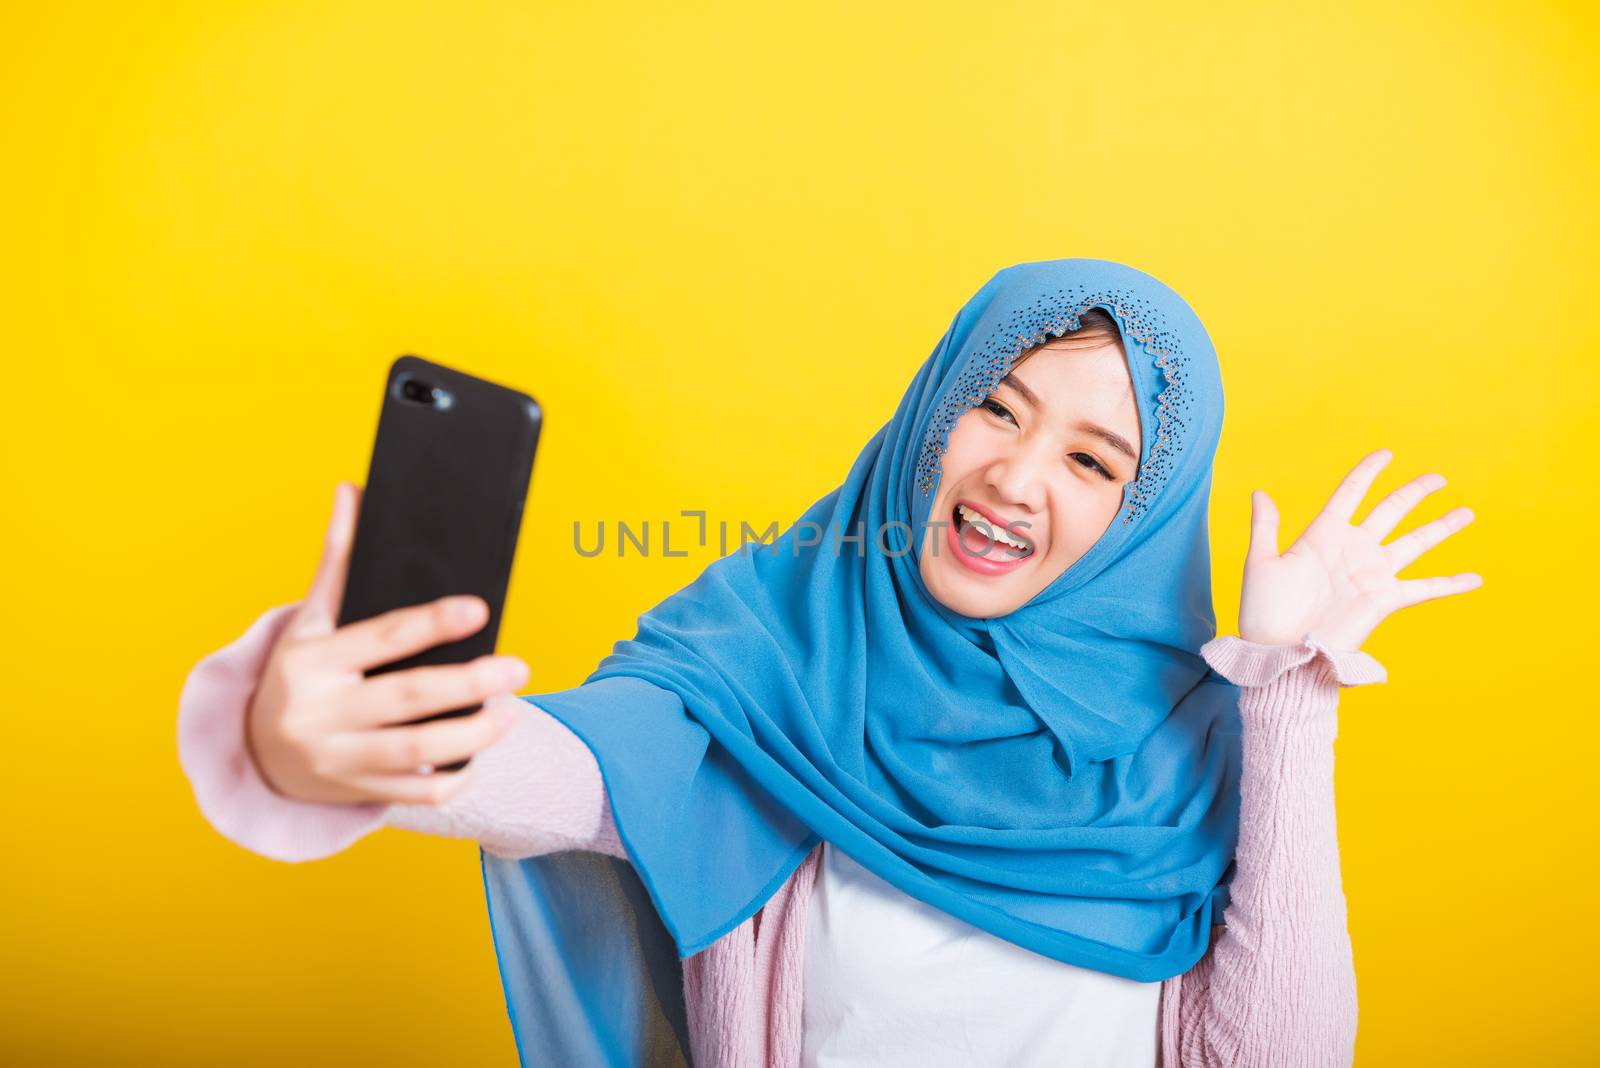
1247 663
229 789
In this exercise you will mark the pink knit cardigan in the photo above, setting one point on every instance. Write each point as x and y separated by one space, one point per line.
1277 987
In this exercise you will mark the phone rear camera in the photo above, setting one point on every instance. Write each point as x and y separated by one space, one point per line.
419 392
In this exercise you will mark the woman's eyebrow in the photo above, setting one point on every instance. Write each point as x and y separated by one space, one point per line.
1115 440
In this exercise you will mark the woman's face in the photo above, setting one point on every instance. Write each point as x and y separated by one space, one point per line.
1038 455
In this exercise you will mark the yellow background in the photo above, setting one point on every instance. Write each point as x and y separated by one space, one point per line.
716 244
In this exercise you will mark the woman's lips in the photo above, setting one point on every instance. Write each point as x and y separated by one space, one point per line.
997 559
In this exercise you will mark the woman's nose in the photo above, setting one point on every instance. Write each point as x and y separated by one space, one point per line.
1019 478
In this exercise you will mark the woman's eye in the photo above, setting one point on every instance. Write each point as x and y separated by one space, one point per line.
994 407
1085 460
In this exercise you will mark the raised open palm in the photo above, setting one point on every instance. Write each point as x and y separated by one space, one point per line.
1338 580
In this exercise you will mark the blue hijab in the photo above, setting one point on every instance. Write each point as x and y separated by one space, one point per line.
1064 776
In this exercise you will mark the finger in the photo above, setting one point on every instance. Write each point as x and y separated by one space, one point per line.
1405 549
317 615
401 749
1263 526
1415 591
410 788
391 635
1382 520
401 696
1355 486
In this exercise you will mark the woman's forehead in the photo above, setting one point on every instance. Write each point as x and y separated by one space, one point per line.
1096 362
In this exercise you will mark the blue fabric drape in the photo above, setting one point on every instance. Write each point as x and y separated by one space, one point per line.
1065 776
590 974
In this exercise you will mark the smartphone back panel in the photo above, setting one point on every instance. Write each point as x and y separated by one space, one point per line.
443 502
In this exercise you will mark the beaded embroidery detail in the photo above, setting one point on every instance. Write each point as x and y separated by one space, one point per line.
1051 316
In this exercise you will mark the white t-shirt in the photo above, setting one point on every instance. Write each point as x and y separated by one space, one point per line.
890 981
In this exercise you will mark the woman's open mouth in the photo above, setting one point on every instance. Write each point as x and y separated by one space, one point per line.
982 544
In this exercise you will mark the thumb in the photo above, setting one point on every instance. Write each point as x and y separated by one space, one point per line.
320 612
1263 526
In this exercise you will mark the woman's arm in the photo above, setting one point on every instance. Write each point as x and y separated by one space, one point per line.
535 790
1278 985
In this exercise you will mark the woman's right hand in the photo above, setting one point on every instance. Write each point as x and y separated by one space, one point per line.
320 730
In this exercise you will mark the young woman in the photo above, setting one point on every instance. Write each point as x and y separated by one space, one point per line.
955 772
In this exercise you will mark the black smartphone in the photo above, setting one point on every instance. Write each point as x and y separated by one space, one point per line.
442 506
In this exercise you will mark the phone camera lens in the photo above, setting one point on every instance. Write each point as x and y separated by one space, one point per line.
420 392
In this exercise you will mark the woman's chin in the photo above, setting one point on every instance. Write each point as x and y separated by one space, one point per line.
978 597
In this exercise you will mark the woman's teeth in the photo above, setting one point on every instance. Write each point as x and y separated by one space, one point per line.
977 521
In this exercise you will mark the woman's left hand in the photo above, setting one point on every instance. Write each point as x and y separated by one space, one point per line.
1337 581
